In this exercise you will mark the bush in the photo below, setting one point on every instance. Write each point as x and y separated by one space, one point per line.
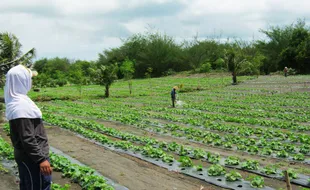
291 71
205 68
219 64
168 72
61 82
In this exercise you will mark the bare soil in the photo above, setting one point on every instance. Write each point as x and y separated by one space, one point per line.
8 182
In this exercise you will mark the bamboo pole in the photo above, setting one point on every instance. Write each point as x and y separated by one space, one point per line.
287 179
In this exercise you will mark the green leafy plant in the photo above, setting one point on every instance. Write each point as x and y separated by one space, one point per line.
241 147
183 151
305 149
167 158
299 157
198 167
216 170
233 176
252 149
291 173
258 182
185 161
213 158
59 187
271 169
266 151
250 165
198 153
282 154
232 160
228 145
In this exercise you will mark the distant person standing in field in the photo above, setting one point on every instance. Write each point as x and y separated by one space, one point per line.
173 96
31 149
285 71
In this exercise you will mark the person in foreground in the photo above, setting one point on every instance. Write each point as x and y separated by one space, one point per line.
31 149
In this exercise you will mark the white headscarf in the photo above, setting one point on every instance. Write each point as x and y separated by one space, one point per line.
17 85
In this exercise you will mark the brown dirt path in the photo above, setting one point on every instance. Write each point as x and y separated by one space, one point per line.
126 170
7 182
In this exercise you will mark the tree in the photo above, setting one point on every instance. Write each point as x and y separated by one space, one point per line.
10 47
106 73
57 70
278 39
11 55
297 54
242 58
127 69
199 52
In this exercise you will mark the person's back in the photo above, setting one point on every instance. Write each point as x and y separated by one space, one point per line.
173 96
173 93
31 149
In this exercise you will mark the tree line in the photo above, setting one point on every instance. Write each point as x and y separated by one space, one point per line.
154 54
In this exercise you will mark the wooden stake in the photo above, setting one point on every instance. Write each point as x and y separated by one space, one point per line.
287 179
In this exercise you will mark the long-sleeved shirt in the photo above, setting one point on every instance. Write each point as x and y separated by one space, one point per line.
173 93
29 140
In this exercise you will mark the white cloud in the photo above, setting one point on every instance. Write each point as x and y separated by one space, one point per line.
82 29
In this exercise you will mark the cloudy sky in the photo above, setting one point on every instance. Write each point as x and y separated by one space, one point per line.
80 29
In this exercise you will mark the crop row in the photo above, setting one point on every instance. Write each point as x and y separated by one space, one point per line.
249 145
254 132
152 147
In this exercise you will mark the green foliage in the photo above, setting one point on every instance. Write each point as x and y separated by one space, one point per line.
79 174
299 157
198 52
250 165
11 55
199 167
282 154
127 69
152 50
258 182
106 73
271 169
3 169
291 174
205 68
59 187
233 176
286 46
10 47
296 54
216 170
213 158
243 58
232 160
185 161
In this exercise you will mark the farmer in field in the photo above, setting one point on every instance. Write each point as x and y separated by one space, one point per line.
285 71
31 149
173 95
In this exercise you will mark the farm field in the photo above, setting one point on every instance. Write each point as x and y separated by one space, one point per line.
218 133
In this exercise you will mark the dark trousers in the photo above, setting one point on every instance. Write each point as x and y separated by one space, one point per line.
31 177
173 102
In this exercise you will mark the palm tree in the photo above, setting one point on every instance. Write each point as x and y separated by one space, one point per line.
242 58
11 55
10 47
